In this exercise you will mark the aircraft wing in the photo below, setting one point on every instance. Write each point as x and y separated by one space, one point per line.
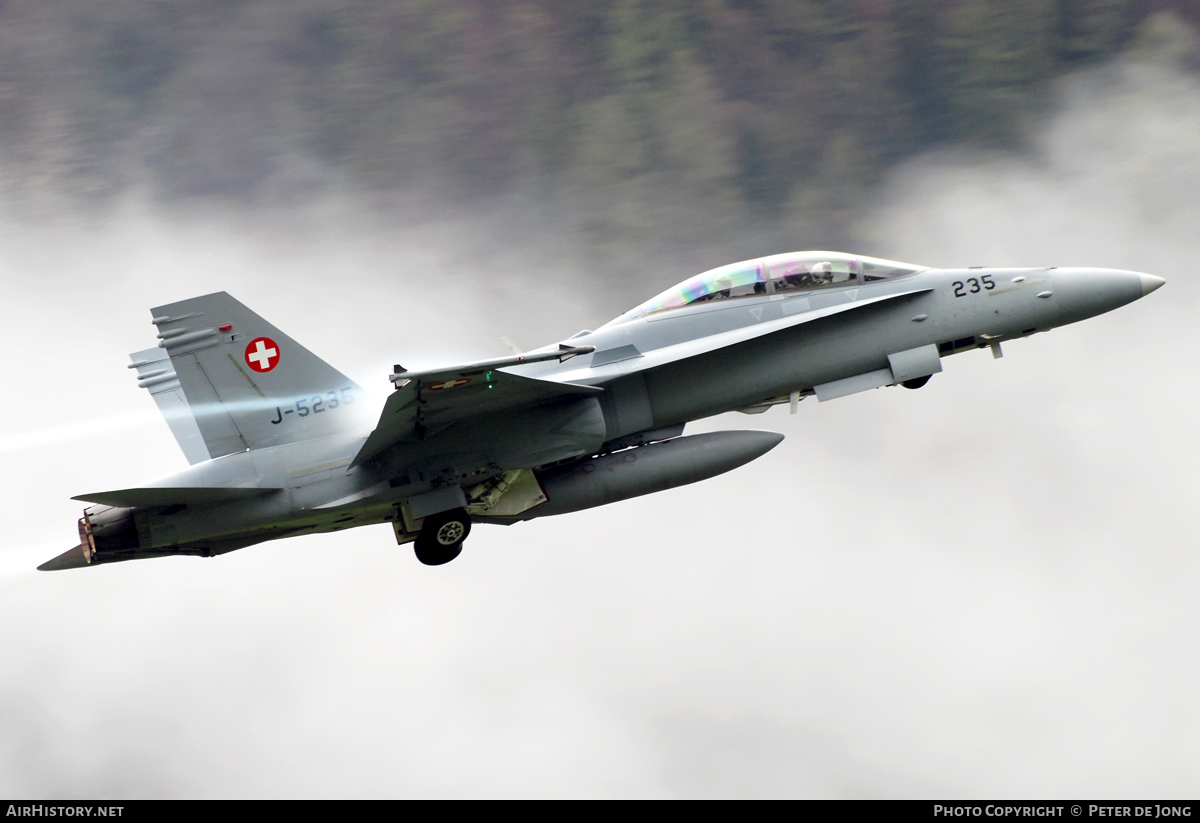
428 401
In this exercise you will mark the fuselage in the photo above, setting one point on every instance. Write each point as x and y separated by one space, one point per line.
953 309
661 365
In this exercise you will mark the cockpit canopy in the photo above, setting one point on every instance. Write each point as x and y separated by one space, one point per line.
781 273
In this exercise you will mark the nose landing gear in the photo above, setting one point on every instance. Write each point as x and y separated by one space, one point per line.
442 536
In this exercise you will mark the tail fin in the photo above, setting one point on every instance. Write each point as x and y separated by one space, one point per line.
156 376
249 385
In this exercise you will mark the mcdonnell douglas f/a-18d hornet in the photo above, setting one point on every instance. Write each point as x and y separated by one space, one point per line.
278 448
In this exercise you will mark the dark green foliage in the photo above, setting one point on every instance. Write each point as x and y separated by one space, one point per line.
636 116
1094 28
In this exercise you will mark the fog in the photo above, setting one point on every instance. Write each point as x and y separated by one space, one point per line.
985 588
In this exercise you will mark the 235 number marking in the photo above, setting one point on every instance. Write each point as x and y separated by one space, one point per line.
973 285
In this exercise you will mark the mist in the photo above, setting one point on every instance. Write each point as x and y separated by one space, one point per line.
985 588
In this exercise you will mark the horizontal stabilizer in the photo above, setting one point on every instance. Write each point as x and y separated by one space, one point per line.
132 498
70 559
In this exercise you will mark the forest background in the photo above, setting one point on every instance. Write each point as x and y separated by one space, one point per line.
617 123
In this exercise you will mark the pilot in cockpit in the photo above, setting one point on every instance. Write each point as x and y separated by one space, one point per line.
795 276
722 286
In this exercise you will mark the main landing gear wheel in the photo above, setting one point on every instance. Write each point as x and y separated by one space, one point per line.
442 536
916 382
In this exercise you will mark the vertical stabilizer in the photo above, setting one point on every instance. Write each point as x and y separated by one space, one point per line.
157 376
248 384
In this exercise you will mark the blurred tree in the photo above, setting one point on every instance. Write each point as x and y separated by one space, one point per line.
1095 28
677 119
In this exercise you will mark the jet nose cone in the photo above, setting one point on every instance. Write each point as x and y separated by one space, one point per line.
1150 283
1084 293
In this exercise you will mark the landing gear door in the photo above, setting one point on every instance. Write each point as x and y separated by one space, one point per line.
915 363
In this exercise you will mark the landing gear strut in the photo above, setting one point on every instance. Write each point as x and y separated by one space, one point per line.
442 536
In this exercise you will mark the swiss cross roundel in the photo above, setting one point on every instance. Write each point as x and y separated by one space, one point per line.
262 354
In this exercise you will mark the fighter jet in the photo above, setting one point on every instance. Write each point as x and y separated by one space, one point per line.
279 446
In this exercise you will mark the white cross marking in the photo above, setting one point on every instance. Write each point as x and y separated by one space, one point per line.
262 355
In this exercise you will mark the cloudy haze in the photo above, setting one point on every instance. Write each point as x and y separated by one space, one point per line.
982 588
